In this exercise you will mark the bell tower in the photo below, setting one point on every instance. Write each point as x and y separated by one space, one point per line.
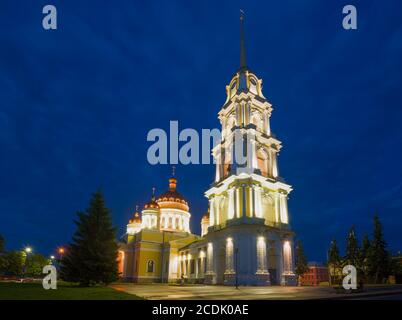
248 190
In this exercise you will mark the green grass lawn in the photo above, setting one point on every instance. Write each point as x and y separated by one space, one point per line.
35 291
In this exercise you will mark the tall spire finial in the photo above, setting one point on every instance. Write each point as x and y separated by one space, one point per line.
173 180
242 44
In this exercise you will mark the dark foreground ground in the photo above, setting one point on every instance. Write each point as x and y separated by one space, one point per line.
130 291
202 292
35 291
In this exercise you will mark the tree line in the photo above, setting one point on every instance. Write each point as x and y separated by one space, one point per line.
371 258
18 263
90 258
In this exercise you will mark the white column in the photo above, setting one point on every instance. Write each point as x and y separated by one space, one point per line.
266 123
231 204
284 209
229 256
275 171
174 221
210 258
237 202
277 207
211 212
244 206
217 211
287 257
261 255
218 166
251 200
166 220
258 204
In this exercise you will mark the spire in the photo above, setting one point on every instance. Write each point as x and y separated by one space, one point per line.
136 214
173 180
243 64
136 218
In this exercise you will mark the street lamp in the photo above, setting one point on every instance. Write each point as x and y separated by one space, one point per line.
28 251
61 252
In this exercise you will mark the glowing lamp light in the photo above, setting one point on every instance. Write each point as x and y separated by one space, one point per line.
52 257
61 250
28 249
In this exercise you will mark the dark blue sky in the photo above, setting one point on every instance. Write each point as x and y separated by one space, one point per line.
77 103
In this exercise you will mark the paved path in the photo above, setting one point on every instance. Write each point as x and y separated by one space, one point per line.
201 292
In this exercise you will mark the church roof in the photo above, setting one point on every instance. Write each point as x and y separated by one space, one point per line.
152 204
136 218
172 198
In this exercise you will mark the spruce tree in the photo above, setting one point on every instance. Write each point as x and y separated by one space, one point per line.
334 259
352 249
378 258
301 260
91 258
363 257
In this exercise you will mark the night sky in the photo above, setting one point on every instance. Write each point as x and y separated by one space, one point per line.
76 105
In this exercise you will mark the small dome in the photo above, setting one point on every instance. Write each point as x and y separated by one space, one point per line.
152 204
205 217
136 218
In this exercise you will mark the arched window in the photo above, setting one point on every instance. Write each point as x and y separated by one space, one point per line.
256 119
262 159
150 266
170 225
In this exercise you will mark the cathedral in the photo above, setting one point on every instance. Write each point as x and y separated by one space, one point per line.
246 237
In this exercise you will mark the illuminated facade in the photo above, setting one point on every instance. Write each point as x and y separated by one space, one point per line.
246 235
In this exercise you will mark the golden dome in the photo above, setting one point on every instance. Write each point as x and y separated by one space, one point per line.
136 218
205 217
152 204
172 198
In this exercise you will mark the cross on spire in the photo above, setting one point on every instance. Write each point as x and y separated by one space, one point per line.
173 171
